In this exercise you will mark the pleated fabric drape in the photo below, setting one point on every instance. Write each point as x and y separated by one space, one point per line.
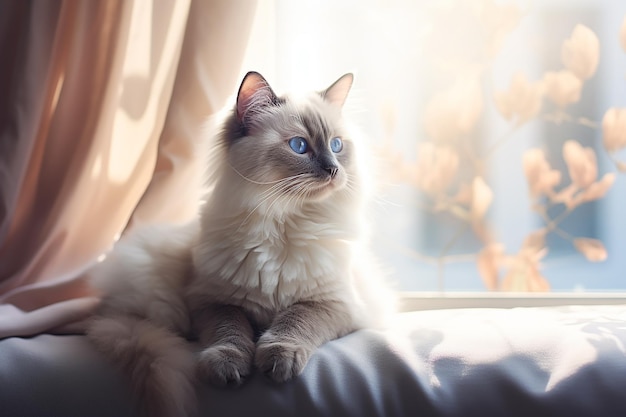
102 105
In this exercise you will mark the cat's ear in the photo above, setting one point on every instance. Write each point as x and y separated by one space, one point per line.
254 93
338 91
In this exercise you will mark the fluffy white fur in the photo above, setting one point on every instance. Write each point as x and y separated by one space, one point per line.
276 252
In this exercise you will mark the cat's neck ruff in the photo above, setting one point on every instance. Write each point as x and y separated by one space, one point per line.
281 255
236 209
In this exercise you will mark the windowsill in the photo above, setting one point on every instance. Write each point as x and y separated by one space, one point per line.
412 301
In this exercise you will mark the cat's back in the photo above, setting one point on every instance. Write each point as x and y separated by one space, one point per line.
146 272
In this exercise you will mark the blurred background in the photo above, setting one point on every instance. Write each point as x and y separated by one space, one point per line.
435 76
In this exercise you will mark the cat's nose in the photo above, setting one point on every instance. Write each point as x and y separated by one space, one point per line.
332 170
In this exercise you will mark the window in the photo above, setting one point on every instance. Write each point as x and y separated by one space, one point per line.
432 78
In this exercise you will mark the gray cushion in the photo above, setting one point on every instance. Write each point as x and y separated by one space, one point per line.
544 361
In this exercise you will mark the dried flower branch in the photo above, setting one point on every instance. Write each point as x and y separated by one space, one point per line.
454 113
540 176
614 129
435 169
593 249
482 197
490 258
521 271
581 52
499 21
521 102
583 171
562 87
581 163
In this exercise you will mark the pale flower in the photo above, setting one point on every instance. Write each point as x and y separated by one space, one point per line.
482 196
580 53
583 170
562 87
436 168
464 194
521 102
523 273
522 269
598 189
535 241
439 119
566 196
581 163
524 276
499 20
455 111
488 263
614 129
593 249
540 176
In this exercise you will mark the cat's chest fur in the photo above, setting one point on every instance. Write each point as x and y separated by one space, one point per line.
265 265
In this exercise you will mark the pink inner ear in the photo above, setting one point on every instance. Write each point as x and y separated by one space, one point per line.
254 91
338 92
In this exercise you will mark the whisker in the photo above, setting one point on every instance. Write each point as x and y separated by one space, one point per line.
293 186
276 192
271 190
287 191
302 195
268 212
297 189
300 191
278 188
257 182
282 181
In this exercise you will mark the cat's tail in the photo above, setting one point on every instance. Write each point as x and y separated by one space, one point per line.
159 363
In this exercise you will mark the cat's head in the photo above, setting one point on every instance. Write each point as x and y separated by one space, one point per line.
294 148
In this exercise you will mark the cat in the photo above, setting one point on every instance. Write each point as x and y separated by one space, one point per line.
273 267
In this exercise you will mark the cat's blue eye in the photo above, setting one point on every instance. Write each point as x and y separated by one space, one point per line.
298 145
336 145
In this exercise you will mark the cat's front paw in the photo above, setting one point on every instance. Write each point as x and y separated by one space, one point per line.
280 360
225 364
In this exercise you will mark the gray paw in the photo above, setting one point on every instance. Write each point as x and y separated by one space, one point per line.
280 360
224 365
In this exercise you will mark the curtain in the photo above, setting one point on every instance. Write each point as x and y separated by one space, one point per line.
101 111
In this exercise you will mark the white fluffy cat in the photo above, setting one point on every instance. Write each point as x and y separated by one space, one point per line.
271 270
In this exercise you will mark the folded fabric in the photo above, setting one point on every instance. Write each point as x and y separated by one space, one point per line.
566 361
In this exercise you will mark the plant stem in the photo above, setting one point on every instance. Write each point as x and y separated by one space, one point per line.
499 142
440 264
559 117
552 224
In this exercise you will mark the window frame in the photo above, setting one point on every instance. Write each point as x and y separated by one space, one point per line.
418 301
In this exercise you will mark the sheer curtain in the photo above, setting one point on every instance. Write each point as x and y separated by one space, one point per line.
100 113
